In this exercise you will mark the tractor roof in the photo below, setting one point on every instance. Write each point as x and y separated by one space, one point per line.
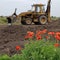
38 5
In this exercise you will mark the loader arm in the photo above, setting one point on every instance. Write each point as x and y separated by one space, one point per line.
48 10
15 12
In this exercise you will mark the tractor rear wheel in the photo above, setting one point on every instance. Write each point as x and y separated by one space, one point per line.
43 19
28 21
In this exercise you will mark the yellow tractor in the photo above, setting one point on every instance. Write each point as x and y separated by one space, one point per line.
37 15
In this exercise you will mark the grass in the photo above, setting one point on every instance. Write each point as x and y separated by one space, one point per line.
55 18
3 20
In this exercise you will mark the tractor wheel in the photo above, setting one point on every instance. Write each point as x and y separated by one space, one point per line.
42 19
28 21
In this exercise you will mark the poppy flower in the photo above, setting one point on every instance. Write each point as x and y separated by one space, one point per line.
57 36
30 34
18 47
57 33
51 33
39 37
56 45
44 31
39 32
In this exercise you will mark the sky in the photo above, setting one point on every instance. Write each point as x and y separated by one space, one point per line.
7 7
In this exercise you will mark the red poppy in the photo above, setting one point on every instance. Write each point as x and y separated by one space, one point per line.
39 32
39 37
44 31
57 33
18 47
51 33
56 45
30 34
57 36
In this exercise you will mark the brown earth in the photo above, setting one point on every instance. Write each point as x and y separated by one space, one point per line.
11 36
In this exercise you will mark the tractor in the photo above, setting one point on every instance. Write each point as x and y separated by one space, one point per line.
38 15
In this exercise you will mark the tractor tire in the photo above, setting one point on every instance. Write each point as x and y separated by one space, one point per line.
28 21
42 19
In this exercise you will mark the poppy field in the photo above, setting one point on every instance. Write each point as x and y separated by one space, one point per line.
39 47
26 42
49 36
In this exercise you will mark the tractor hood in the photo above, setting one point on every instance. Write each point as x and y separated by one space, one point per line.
25 13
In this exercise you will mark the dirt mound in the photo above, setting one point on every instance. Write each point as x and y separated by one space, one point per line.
11 36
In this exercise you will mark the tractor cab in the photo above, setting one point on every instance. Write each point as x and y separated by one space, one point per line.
38 8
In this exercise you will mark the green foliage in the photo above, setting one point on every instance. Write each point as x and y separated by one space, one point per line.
4 57
36 50
40 50
3 20
55 18
16 57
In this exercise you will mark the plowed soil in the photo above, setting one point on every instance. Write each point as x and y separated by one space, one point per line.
11 36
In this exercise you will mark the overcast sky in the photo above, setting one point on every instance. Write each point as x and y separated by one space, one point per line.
7 6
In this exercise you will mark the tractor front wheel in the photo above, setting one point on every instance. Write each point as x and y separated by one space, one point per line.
28 21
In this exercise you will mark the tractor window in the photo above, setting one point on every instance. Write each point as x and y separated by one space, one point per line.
33 9
38 9
42 9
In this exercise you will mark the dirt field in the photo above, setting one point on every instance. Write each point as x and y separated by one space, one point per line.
11 36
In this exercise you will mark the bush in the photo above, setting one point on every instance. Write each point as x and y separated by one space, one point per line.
40 50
